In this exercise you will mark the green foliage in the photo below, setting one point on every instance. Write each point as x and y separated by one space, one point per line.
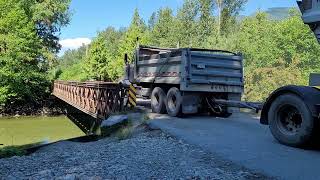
101 62
206 24
186 27
11 151
70 65
128 43
277 52
163 31
124 133
28 42
75 72
260 82
227 12
50 16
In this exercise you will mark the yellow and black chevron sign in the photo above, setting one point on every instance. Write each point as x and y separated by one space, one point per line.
132 98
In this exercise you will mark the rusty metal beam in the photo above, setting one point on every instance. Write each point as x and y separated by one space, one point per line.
95 98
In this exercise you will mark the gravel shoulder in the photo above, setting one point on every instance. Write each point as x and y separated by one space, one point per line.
148 154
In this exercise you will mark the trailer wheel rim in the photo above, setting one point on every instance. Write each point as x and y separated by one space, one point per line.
289 120
156 99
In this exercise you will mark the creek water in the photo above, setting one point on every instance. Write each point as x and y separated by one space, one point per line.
27 130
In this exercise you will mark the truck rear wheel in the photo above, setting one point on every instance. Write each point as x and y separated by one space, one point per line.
174 102
290 120
158 100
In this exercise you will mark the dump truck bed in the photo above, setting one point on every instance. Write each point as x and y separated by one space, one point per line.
195 70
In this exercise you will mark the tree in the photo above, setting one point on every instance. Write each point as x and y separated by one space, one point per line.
128 43
276 53
256 41
206 22
102 54
24 49
186 24
50 16
294 40
163 30
70 65
152 20
227 11
136 31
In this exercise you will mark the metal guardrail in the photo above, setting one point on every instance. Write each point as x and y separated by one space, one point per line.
98 99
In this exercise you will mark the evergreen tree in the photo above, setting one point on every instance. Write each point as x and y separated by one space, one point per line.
102 55
227 11
206 23
163 31
186 27
152 20
137 33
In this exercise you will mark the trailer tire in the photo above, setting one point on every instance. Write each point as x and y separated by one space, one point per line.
174 102
291 121
158 100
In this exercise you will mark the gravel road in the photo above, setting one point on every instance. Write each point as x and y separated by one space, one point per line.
146 155
243 140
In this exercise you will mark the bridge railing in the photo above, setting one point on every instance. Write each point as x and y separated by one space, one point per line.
95 98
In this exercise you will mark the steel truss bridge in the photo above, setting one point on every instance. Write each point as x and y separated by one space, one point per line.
87 104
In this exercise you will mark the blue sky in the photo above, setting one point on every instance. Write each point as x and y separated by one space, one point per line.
95 15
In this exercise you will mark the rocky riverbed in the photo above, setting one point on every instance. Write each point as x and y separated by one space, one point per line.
147 154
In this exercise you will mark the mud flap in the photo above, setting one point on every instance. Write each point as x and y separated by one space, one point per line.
190 103
314 80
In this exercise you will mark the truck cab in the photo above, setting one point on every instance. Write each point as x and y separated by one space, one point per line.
293 112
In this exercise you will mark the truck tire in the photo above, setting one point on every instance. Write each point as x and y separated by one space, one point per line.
158 100
174 102
291 121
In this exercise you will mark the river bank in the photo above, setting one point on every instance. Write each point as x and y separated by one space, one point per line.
48 107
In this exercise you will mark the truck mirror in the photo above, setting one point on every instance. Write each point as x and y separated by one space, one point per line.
126 58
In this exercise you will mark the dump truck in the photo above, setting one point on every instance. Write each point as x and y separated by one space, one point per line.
187 80
293 112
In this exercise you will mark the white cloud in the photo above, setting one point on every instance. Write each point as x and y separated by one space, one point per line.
74 43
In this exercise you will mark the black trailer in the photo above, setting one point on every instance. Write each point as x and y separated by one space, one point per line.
292 112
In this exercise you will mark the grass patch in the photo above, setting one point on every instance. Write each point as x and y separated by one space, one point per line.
10 151
107 131
124 133
145 119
